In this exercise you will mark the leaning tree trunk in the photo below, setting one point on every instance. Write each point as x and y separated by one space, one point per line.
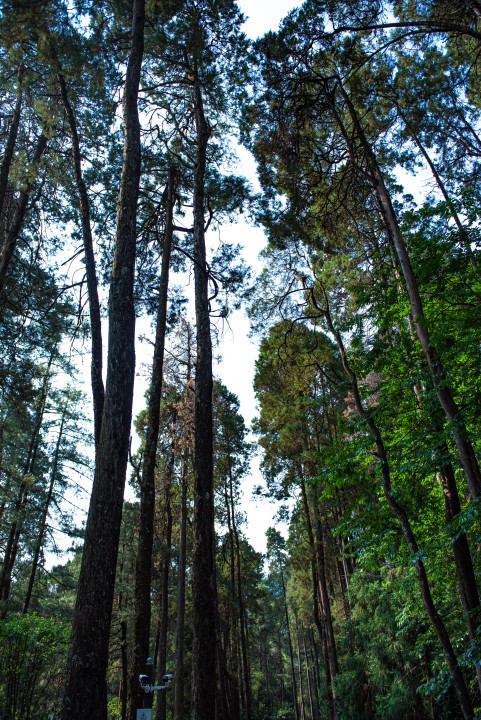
203 556
85 695
98 390
401 516
466 454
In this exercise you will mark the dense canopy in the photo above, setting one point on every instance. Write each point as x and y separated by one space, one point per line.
119 186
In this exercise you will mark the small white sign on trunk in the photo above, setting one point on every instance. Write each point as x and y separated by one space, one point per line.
144 714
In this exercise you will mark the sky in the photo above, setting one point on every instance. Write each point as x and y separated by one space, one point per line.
264 15
238 349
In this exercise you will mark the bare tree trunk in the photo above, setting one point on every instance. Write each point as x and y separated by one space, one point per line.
85 695
165 572
98 390
291 653
143 566
323 592
240 600
203 557
311 687
467 586
299 669
45 511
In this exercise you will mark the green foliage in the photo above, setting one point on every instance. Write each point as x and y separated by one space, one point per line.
31 665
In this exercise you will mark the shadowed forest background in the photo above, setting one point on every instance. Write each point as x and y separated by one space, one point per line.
119 188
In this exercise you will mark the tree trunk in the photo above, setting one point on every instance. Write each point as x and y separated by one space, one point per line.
465 449
462 231
98 391
180 624
240 601
14 229
11 549
323 592
45 511
320 622
399 512
143 566
85 695
165 572
313 701
11 140
467 587
203 557
299 669
291 653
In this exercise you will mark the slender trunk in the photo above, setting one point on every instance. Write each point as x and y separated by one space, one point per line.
399 512
45 511
236 661
165 572
182 557
203 557
98 391
240 600
14 229
143 565
465 449
16 527
299 670
291 653
125 669
180 624
11 140
467 586
313 702
323 592
320 622
462 230
85 695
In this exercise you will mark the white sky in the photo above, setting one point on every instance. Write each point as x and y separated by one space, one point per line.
238 350
265 15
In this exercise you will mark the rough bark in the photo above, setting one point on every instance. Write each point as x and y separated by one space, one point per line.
143 564
203 557
85 695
